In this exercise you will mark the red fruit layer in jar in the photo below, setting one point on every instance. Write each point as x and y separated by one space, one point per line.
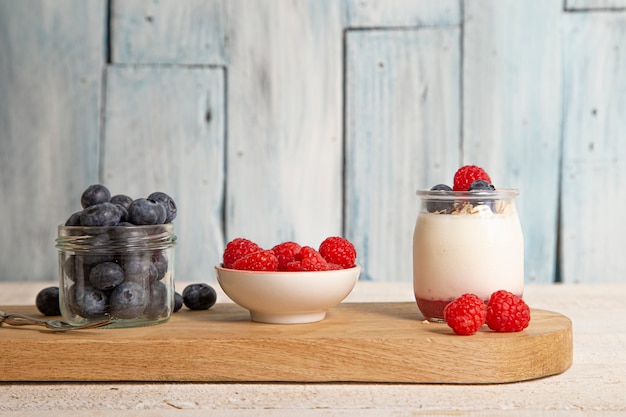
432 309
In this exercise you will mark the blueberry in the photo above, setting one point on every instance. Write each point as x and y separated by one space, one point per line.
158 304
94 259
178 302
168 204
434 205
441 187
95 194
199 296
122 200
69 268
103 214
47 301
74 219
484 187
144 211
123 213
128 300
106 276
76 268
159 259
88 302
481 185
124 234
138 267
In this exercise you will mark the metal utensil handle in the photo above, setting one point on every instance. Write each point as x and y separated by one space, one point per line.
17 319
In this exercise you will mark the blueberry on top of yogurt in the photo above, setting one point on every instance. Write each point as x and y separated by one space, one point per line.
436 206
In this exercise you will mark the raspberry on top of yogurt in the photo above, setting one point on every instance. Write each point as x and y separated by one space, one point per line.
465 176
468 178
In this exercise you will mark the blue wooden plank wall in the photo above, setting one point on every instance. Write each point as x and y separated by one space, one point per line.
512 104
403 130
296 120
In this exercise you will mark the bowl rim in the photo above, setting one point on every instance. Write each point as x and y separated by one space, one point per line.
246 272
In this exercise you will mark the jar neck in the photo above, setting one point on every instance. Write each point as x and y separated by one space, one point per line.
501 194
468 202
114 238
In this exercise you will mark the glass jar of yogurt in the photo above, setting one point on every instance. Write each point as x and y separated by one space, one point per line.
124 274
466 242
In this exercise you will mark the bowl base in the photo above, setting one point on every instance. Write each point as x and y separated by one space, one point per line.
292 318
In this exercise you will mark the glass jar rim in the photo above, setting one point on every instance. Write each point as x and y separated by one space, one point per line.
169 226
111 238
499 194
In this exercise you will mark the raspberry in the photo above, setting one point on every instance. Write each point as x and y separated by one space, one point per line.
311 260
466 314
238 248
338 250
507 312
286 252
466 175
295 266
263 260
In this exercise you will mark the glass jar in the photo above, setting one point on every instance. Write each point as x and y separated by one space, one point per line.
466 242
121 273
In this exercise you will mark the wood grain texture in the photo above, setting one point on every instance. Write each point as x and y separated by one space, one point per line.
402 134
593 385
402 13
358 342
284 155
594 151
51 61
591 5
532 75
512 102
165 132
186 32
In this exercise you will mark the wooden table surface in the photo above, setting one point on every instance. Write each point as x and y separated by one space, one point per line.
594 385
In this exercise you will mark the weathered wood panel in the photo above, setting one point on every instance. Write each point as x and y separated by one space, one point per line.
542 106
181 32
594 150
284 156
512 101
403 103
402 13
589 5
165 132
51 60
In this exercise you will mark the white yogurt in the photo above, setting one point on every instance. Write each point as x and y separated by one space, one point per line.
459 253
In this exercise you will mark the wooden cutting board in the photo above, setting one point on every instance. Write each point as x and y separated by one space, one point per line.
357 342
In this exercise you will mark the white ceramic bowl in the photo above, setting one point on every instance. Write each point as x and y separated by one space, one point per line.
287 297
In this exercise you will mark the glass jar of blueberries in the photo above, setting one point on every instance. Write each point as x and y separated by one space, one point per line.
116 270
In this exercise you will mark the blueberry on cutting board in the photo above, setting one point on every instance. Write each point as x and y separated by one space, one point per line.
47 301
199 296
